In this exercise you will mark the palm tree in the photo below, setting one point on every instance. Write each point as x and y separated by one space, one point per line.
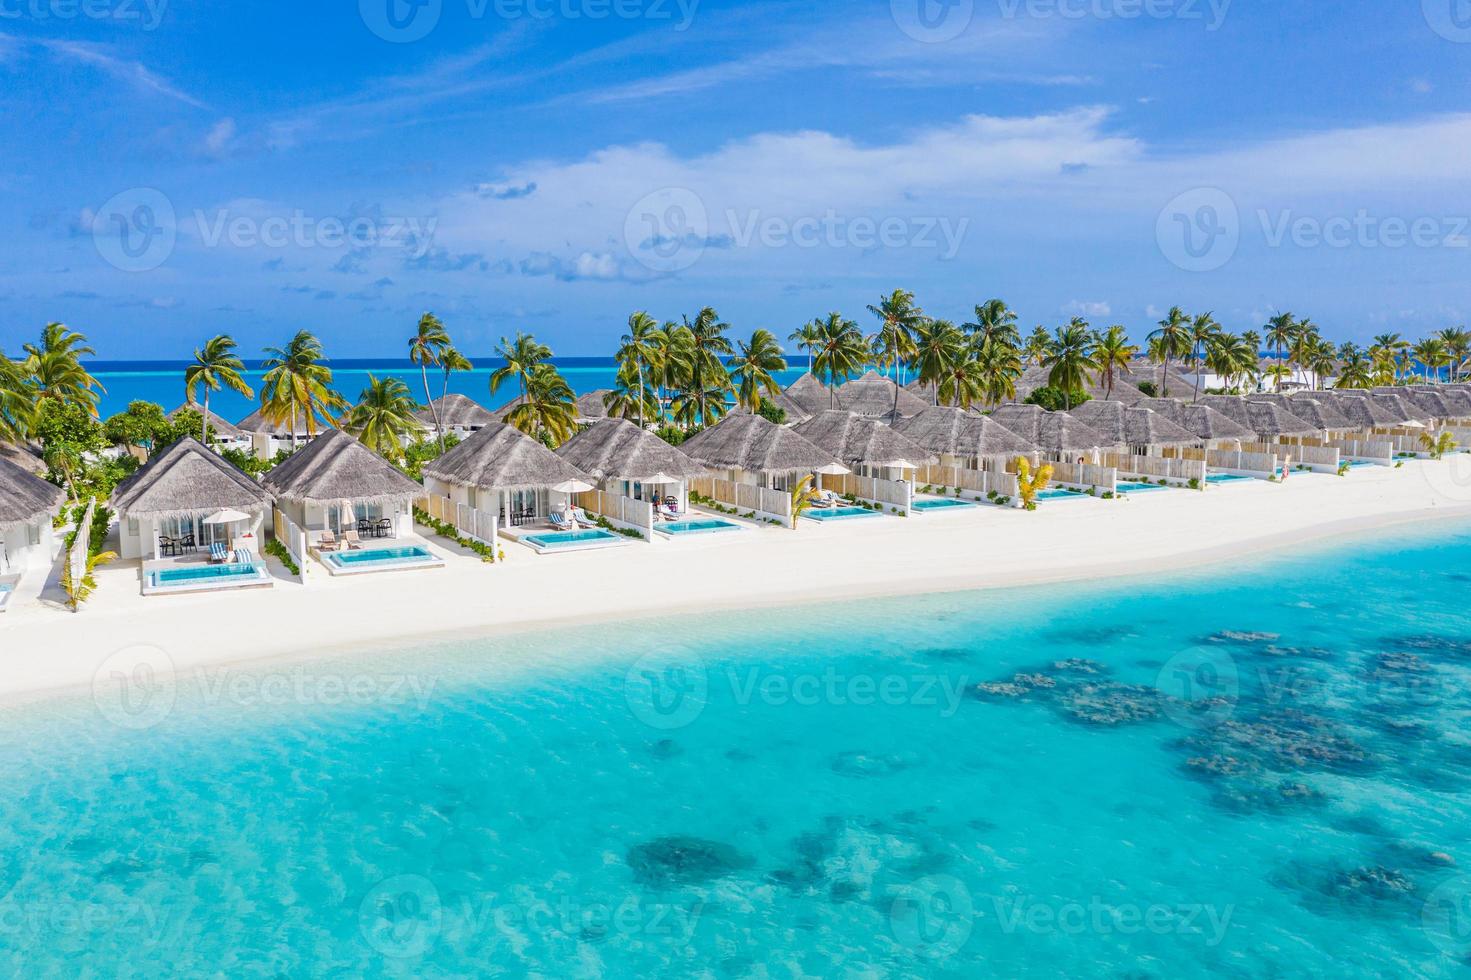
963 384
298 381
384 417
79 590
1028 483
548 409
995 321
522 356
1203 329
1113 352
1458 345
1170 340
805 338
938 346
17 400
1070 359
424 346
639 348
674 360
998 365
707 345
1432 353
1386 351
215 365
1279 331
753 367
450 361
56 371
1439 444
803 497
841 351
1232 358
631 396
1037 343
896 337
1356 373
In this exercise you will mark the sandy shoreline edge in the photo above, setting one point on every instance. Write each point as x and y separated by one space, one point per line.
52 655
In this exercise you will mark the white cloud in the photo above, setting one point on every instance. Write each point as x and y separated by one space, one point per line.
101 57
1086 309
217 142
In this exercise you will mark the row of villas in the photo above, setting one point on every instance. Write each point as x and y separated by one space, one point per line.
193 521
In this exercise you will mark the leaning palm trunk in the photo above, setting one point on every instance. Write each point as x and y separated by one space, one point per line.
204 423
433 409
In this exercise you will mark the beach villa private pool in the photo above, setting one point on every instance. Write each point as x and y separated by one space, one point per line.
828 514
693 526
5 590
1220 478
925 505
1133 487
1060 493
380 560
558 542
170 579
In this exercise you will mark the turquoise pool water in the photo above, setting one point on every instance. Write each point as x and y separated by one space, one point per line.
841 513
1263 771
940 503
1057 493
380 557
203 574
1227 478
698 525
552 540
1139 487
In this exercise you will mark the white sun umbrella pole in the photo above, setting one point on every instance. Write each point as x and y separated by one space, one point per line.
569 487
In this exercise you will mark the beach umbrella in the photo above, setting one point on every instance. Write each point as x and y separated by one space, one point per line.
569 487
832 469
226 516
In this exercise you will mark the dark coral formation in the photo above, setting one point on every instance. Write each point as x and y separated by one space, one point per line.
681 860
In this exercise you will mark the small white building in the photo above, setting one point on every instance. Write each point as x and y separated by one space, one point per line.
337 484
504 472
267 438
459 416
162 507
225 434
27 505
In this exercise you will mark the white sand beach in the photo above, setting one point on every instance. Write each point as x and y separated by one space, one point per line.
46 648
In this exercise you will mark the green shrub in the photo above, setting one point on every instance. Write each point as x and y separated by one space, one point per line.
278 551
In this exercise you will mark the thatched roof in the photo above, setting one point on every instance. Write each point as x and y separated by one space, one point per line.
955 432
1360 409
335 467
26 457
873 395
500 457
1323 414
590 406
456 411
1125 385
854 439
1267 420
751 443
1401 408
811 396
186 478
26 498
616 449
1208 424
1458 401
1128 426
223 429
1051 431
1429 400
256 423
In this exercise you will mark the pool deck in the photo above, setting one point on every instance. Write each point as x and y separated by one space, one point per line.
382 544
198 560
520 534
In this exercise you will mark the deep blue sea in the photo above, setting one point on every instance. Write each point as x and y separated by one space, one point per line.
1257 770
163 381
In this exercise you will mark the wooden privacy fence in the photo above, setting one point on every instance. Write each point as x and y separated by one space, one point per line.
1259 465
973 483
293 539
746 498
1086 476
470 521
1368 451
888 493
1319 459
621 511
1157 468
81 549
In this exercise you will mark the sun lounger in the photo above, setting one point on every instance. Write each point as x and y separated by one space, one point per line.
327 542
825 499
580 516
560 521
243 557
218 553
351 539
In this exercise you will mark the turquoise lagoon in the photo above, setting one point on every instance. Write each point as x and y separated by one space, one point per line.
1257 771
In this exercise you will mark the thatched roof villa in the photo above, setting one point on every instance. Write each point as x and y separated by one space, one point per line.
336 483
501 470
962 438
27 505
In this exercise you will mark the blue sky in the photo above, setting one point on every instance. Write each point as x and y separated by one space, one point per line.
176 170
